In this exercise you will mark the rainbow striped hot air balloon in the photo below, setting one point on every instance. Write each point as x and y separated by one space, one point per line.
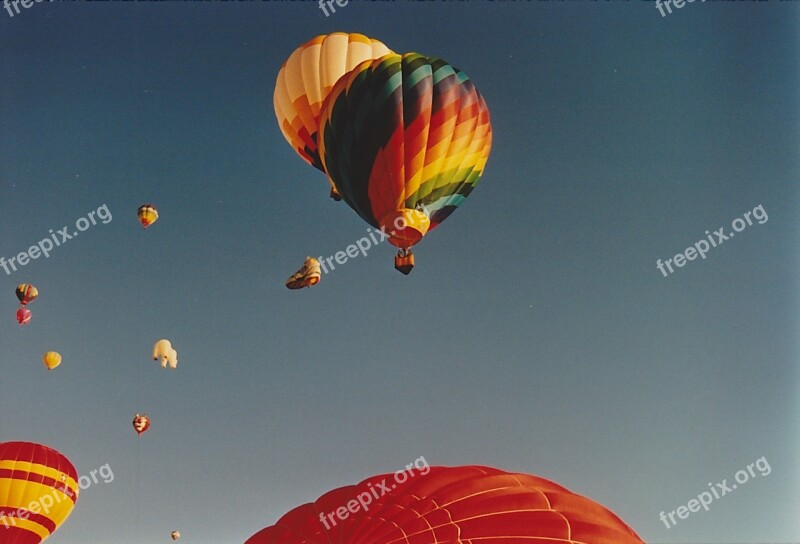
38 490
404 139
447 505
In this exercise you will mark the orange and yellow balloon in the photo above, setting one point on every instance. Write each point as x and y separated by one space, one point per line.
26 293
148 214
305 80
38 490
51 359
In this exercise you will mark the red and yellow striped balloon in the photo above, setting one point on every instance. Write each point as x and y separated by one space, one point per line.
38 490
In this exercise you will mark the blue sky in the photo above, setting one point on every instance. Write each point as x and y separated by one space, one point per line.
535 333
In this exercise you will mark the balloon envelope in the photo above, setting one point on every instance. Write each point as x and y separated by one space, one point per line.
148 214
450 505
308 275
51 359
305 80
141 423
31 477
163 349
23 316
404 135
26 293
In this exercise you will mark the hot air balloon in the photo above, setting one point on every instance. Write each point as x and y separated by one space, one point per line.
26 293
148 214
163 348
404 140
38 490
307 276
175 535
448 505
23 316
51 359
306 78
141 423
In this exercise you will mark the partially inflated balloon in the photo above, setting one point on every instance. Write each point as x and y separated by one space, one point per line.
23 316
148 214
38 490
449 505
51 359
26 293
404 140
306 78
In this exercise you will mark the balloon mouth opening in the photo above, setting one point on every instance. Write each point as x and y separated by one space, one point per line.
405 227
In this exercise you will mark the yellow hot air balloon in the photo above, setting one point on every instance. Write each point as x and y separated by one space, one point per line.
38 490
148 214
305 80
51 359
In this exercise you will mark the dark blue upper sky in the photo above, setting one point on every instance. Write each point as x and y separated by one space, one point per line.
535 334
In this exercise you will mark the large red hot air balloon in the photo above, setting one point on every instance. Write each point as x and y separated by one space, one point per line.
38 490
470 504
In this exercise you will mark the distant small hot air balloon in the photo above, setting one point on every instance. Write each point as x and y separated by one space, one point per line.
148 214
33 474
51 359
141 423
26 293
23 316
307 276
175 535
163 348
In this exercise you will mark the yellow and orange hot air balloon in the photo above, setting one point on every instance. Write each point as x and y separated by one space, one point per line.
51 359
38 490
305 80
26 293
148 214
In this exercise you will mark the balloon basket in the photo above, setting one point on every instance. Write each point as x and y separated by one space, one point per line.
404 263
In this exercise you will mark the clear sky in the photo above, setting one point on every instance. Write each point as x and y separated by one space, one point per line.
536 333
